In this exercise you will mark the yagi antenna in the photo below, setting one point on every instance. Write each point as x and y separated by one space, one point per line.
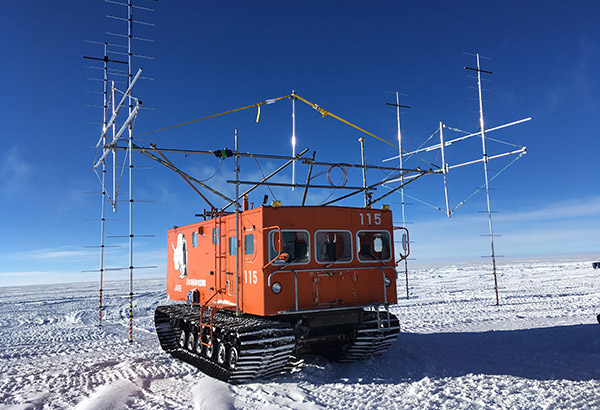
485 172
519 151
110 137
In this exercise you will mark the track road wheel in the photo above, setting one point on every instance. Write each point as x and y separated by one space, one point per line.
191 342
232 358
182 338
209 351
198 346
221 354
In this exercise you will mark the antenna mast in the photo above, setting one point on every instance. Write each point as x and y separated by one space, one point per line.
485 171
103 182
401 161
445 168
130 153
110 145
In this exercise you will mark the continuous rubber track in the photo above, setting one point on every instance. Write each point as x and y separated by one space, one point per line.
248 347
242 348
373 337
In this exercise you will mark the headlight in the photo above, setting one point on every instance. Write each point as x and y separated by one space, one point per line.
276 287
387 281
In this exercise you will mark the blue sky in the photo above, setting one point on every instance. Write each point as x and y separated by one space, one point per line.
347 56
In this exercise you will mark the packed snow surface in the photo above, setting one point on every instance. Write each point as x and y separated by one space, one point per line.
540 349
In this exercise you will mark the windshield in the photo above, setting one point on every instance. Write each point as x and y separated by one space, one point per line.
333 246
295 243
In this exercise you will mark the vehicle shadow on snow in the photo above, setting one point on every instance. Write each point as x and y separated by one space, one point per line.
563 352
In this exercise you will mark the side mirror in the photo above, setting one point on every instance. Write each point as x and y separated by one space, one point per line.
405 244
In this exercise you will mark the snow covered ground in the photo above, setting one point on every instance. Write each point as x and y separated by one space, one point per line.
540 349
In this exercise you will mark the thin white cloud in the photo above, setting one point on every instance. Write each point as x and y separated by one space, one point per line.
562 210
66 264
14 170
574 208
565 227
65 254
54 254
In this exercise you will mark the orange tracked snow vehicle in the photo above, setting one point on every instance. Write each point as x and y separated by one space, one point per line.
273 282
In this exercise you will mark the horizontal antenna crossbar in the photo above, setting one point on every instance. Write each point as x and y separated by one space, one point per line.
133 21
268 156
116 269
133 55
125 4
450 142
478 70
125 36
519 151
105 59
283 184
397 105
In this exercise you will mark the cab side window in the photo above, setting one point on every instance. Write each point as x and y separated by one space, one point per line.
249 244
233 245
373 246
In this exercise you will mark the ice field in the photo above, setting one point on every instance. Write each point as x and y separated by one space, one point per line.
540 349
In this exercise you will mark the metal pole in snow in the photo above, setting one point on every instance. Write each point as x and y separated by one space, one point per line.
364 170
130 152
103 196
485 172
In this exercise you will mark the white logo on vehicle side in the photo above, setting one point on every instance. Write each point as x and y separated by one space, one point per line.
180 255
